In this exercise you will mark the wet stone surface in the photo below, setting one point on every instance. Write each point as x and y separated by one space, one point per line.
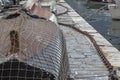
85 63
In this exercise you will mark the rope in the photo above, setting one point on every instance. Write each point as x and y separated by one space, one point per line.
96 11
65 12
106 62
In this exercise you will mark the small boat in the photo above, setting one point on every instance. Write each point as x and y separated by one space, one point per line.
99 3
115 10
102 0
98 0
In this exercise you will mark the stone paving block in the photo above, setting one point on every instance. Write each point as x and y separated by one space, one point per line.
73 14
68 6
85 63
100 40
94 78
61 1
85 27
83 58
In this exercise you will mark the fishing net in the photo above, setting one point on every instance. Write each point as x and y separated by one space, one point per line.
31 49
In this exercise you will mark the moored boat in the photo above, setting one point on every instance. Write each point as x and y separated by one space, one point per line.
103 1
115 10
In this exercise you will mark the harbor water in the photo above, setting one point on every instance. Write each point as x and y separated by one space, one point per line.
97 15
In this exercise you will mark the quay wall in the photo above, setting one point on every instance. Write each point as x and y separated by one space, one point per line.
109 53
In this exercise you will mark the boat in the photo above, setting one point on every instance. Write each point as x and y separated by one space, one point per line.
99 3
115 10
98 0
31 48
104 1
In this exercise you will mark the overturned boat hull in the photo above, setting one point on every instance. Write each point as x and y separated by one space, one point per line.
16 70
31 49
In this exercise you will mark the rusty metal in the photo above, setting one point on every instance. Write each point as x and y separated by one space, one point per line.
32 47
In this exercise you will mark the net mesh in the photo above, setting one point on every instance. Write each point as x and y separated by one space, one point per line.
15 70
31 49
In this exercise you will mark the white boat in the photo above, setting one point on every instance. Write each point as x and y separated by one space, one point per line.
115 9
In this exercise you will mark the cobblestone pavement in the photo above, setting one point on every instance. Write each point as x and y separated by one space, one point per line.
84 61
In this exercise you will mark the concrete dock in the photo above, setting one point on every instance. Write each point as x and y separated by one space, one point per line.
85 62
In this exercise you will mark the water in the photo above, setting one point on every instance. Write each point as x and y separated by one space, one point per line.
100 19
